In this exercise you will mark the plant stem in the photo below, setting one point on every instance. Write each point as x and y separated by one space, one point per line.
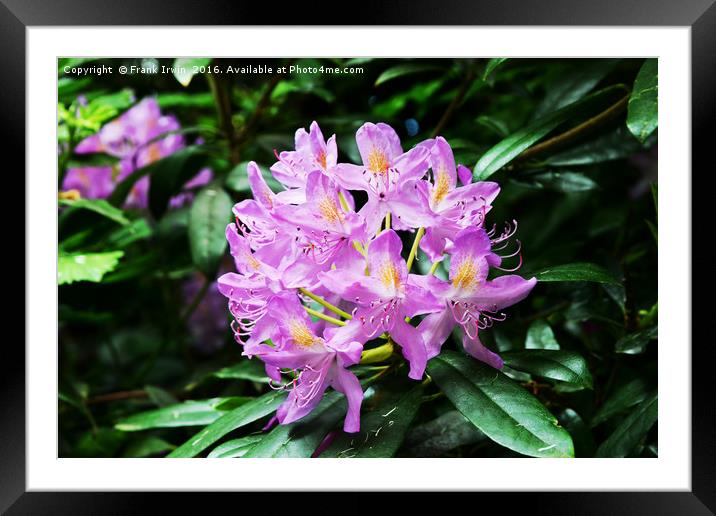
577 131
433 268
414 249
379 354
457 99
387 222
323 302
325 317
342 200
222 99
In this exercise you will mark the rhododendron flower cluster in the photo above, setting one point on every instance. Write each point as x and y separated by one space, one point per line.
140 136
319 277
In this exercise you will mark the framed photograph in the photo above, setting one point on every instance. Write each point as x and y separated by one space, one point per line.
254 251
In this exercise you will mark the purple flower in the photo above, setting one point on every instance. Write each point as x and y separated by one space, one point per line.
385 297
470 299
307 245
388 174
135 138
323 231
315 363
455 207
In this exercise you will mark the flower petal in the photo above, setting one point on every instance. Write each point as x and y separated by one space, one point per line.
436 329
347 383
413 346
475 348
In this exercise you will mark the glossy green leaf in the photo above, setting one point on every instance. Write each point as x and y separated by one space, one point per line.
618 144
235 448
643 108
300 439
573 84
491 66
512 146
444 433
86 266
625 396
565 182
208 217
183 68
631 430
147 446
385 419
189 413
540 336
584 444
100 206
502 409
636 343
403 70
577 272
243 415
565 366
252 370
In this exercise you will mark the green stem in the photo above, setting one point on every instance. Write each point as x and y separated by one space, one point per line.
326 304
325 317
379 354
387 222
433 268
414 249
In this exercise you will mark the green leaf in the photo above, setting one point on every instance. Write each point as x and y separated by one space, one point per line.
624 397
92 160
565 182
252 370
635 343
235 448
584 444
169 175
445 433
643 108
402 70
147 446
172 171
387 414
618 144
185 100
245 414
631 430
540 336
189 413
565 366
300 439
100 206
577 272
502 409
160 397
238 180
491 66
512 146
573 84
208 217
86 266
183 68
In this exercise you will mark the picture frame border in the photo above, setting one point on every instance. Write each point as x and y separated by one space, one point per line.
700 15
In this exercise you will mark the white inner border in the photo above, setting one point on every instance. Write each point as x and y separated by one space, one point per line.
671 471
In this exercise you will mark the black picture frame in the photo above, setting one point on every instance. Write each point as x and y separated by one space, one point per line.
17 15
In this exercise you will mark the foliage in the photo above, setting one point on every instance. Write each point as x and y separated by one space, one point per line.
148 364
